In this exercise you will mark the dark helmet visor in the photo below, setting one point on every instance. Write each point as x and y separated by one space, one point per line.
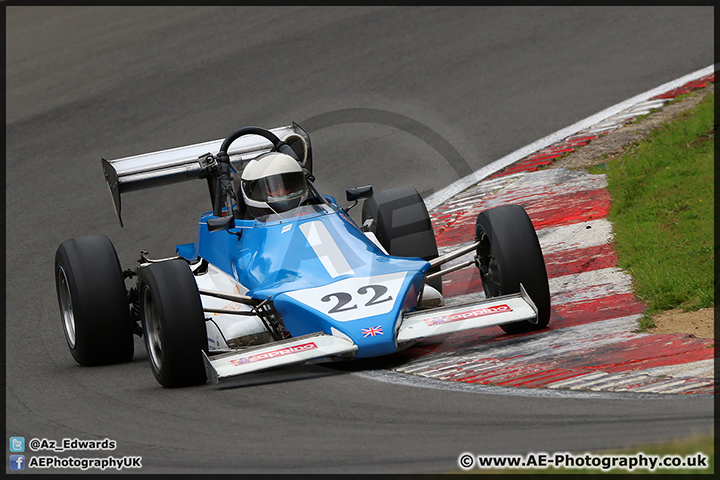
277 187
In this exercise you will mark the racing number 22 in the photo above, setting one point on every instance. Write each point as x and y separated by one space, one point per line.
344 298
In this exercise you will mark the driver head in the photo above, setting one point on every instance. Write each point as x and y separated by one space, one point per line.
273 182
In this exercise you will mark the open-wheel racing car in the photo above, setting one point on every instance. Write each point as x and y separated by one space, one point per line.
280 274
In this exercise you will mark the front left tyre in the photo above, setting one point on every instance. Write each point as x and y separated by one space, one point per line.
509 255
93 301
173 323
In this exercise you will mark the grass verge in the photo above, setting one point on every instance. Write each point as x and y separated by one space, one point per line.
662 212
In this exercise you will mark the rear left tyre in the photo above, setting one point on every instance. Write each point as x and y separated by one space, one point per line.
402 225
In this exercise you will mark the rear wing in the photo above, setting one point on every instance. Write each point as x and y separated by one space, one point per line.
175 165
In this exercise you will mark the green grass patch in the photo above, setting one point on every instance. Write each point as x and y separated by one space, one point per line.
600 168
662 212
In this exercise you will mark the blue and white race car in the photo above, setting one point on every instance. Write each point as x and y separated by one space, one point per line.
280 274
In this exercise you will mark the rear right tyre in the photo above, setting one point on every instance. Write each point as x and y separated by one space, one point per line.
93 301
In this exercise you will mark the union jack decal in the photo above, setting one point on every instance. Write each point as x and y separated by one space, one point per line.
372 331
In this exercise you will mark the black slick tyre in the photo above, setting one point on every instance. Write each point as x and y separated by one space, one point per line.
402 225
93 301
509 254
173 323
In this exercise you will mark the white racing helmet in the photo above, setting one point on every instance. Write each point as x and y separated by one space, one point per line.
272 183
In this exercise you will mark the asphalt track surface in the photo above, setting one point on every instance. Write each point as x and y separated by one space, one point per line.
391 96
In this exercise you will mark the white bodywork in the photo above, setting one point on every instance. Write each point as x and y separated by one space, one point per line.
228 330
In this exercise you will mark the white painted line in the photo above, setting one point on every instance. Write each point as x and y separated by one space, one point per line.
584 380
581 287
563 238
435 372
599 130
575 236
453 189
659 386
489 366
542 185
539 349
588 294
698 369
528 187
452 248
688 386
478 192
618 380
651 104
426 363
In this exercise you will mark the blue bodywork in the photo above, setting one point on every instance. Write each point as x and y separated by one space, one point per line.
320 271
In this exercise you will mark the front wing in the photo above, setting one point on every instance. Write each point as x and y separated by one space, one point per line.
493 311
414 327
284 352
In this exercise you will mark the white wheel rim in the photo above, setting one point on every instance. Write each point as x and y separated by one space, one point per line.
152 329
66 307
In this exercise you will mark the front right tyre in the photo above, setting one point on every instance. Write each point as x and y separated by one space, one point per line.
173 323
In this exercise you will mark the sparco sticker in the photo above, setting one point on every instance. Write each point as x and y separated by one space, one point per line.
273 354
480 312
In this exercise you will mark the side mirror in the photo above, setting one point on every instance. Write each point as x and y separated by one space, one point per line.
356 193
221 223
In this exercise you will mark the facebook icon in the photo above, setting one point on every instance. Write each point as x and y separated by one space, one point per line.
17 462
